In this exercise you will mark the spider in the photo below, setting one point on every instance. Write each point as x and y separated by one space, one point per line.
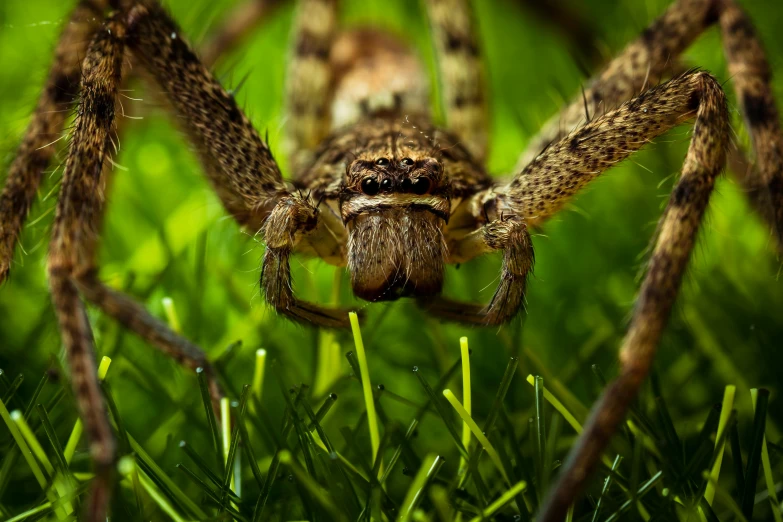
377 187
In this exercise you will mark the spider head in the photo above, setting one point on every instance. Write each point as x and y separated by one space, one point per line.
395 210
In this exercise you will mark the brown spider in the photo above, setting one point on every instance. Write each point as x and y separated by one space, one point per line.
376 187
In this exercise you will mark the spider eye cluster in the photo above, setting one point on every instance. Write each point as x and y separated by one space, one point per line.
419 186
413 181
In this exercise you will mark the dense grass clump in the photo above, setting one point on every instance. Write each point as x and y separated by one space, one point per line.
328 430
297 455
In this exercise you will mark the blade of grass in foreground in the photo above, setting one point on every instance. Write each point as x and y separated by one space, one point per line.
466 398
429 468
369 401
646 487
34 399
607 484
760 402
725 411
504 499
442 412
127 466
271 475
211 421
493 455
161 477
27 454
312 487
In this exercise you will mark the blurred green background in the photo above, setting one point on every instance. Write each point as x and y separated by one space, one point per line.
166 235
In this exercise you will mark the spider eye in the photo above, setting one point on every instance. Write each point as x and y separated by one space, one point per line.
386 184
370 186
382 162
420 186
406 162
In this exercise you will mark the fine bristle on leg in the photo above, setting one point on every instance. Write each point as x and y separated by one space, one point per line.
73 244
37 148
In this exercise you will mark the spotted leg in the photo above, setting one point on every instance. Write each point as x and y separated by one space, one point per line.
654 55
461 76
547 183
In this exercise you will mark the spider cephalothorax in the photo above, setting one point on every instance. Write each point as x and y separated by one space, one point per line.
377 187
395 202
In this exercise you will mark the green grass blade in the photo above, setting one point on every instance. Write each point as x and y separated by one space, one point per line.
61 464
33 400
646 488
271 475
482 439
442 412
314 490
761 403
251 455
369 401
429 468
127 467
322 411
466 398
11 389
736 457
152 468
607 484
206 398
504 499
728 404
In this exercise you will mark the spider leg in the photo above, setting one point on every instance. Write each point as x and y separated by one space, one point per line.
72 246
309 79
460 71
36 151
554 176
510 236
654 55
295 216
238 162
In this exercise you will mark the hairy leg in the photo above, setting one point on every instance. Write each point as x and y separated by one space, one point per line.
654 56
37 148
309 79
553 177
510 236
461 75
238 162
73 244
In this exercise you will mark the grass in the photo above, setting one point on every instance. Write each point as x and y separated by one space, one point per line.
302 440
652 471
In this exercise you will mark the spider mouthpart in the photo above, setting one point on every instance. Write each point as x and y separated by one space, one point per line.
382 162
370 186
387 185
